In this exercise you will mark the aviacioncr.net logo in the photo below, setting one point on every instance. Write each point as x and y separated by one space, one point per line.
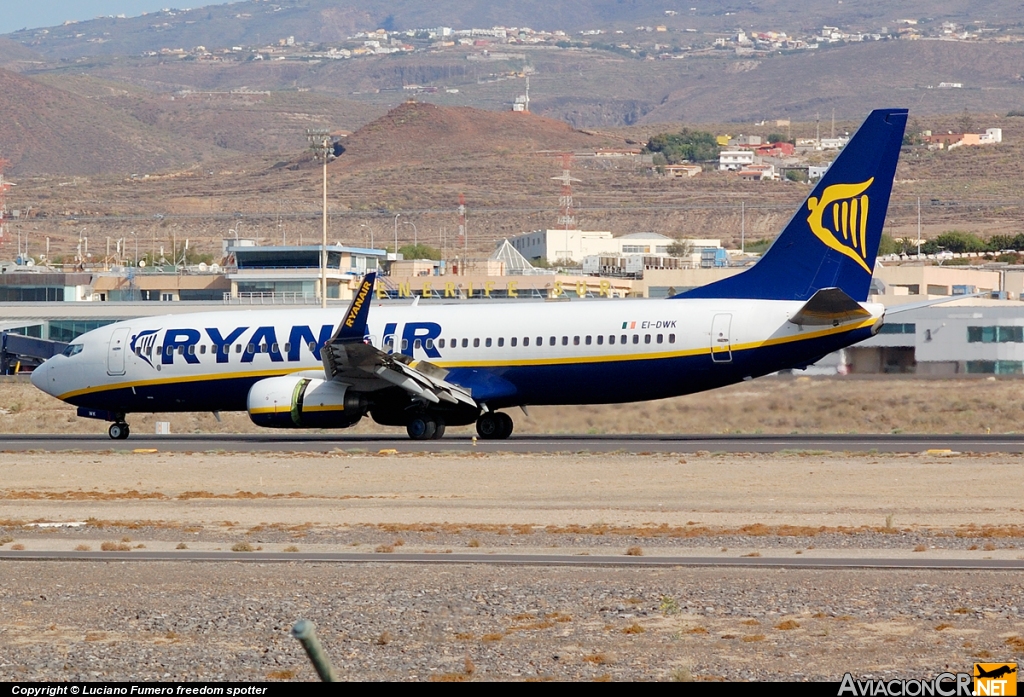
840 219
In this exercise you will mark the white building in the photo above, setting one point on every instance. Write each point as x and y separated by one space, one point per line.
575 245
731 160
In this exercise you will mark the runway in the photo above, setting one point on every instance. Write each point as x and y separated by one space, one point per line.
677 443
548 560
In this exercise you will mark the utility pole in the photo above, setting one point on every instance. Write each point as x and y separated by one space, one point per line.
320 144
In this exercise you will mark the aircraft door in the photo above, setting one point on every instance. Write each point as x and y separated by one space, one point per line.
117 350
721 344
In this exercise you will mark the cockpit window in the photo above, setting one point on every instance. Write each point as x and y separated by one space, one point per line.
73 349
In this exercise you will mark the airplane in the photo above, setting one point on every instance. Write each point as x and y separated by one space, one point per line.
427 366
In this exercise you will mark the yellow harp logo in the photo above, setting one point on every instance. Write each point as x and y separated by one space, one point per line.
845 206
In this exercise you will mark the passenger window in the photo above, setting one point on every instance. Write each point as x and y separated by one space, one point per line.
476 343
671 338
565 341
647 338
526 341
416 344
405 344
575 341
202 349
661 338
636 338
623 339
181 350
501 341
287 348
429 343
540 341
611 338
440 343
274 348
250 349
487 342
192 350
600 339
552 342
587 340
312 347
513 340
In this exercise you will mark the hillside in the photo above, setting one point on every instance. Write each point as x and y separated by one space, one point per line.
251 23
48 130
852 80
417 132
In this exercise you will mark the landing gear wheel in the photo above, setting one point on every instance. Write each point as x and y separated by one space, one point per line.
119 430
494 426
421 428
439 431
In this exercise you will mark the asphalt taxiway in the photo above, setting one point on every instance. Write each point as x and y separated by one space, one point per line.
677 443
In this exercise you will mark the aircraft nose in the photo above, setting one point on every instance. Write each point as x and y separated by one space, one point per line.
41 377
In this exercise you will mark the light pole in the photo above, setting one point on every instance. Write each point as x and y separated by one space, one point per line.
415 232
320 144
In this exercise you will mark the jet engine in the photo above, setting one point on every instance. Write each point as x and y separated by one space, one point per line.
291 401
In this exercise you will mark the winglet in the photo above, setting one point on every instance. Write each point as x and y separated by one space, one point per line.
353 327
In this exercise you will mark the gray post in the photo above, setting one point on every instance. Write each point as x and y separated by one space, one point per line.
305 632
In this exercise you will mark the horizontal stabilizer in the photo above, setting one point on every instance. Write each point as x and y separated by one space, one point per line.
829 306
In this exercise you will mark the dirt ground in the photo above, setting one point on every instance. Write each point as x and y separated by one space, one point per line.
782 404
386 621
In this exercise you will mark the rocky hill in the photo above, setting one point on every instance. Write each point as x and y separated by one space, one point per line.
49 130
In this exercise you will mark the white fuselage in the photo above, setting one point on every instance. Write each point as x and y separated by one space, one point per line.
542 353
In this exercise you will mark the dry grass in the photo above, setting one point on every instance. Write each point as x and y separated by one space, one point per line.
18 547
287 674
920 548
944 625
384 549
634 552
633 629
291 548
111 546
598 659
181 545
788 624
83 548
242 547
752 638
1016 643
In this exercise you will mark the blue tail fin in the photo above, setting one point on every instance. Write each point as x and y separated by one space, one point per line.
833 239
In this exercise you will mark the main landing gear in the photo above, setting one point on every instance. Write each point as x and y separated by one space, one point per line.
119 430
494 425
425 427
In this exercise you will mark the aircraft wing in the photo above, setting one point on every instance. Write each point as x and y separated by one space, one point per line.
349 358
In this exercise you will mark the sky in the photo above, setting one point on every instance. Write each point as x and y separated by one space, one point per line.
19 14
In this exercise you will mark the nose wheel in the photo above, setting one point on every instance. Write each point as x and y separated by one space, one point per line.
119 430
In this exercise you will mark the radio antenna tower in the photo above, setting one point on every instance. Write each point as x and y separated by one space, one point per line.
463 237
4 186
567 219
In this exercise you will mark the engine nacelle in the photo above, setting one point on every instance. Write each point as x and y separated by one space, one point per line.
291 401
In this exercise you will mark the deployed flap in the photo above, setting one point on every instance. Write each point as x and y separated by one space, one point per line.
350 358
829 306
